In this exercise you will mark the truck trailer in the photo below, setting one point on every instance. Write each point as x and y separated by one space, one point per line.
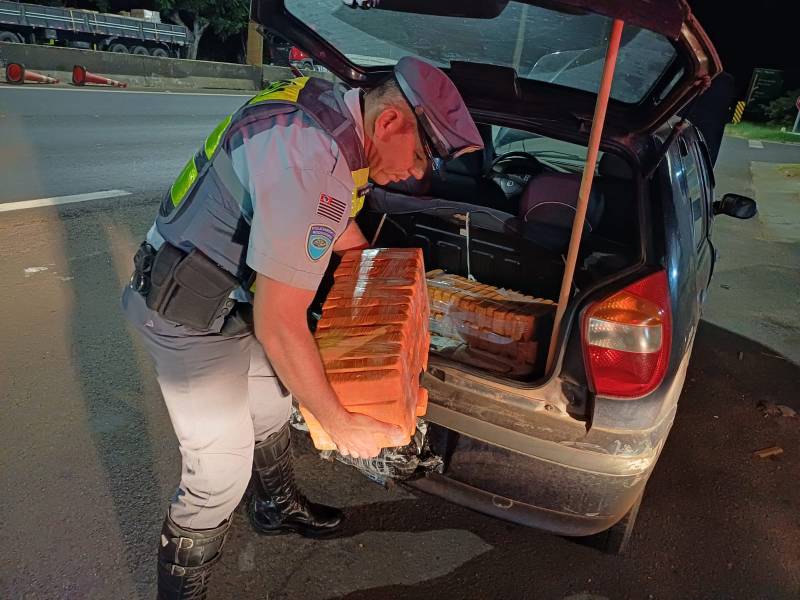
76 28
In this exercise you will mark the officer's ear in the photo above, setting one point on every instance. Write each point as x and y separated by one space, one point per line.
390 122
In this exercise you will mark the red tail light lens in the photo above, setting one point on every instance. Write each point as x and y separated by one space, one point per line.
626 338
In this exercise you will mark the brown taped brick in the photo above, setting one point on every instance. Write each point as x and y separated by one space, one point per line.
360 317
376 298
360 346
367 363
366 387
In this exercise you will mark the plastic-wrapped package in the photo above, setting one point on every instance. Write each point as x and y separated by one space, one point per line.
375 297
354 316
373 338
392 463
499 322
359 346
383 272
361 335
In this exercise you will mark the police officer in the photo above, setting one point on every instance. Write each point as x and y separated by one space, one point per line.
222 285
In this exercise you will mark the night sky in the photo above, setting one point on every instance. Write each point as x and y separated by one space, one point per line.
767 34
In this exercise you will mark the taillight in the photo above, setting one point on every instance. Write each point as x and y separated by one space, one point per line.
626 338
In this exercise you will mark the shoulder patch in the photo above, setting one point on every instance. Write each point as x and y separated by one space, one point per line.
319 239
331 208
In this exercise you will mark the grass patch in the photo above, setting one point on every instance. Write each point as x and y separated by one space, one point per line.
760 131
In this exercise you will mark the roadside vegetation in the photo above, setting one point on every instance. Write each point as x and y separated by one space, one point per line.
761 131
779 116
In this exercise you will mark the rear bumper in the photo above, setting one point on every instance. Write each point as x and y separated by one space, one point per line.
571 485
522 458
494 505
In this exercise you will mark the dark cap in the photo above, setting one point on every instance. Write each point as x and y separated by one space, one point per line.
439 108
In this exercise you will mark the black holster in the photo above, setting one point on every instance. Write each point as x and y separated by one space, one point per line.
186 288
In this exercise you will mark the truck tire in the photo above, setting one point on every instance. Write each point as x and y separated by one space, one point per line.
160 52
140 51
119 48
10 36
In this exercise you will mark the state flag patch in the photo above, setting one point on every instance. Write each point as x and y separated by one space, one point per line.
331 208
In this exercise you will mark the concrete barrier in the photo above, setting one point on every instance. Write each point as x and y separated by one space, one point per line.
144 71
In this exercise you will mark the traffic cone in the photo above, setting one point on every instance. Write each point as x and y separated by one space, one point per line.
80 76
16 73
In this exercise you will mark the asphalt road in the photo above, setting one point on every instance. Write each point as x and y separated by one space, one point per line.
89 459
63 141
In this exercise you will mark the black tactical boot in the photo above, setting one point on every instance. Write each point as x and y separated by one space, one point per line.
185 559
275 505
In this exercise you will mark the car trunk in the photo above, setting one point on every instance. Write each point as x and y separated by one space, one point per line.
494 265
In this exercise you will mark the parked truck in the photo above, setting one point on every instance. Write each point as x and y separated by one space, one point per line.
75 28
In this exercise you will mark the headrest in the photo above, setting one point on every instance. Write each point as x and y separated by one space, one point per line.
615 166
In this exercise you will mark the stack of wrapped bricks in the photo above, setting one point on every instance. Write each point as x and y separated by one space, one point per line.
373 338
499 321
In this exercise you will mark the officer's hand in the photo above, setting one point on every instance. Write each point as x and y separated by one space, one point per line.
361 436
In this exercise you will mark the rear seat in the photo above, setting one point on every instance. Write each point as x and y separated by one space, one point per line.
551 199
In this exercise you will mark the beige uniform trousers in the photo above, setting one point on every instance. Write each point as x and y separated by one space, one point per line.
222 396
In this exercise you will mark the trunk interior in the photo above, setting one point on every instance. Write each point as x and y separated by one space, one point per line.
503 218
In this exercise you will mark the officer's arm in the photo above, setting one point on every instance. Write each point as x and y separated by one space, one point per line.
351 239
282 328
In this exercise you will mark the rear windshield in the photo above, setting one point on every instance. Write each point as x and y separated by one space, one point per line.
538 43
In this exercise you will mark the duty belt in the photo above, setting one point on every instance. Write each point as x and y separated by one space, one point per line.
238 315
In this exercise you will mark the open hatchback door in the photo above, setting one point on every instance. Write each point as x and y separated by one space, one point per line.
539 57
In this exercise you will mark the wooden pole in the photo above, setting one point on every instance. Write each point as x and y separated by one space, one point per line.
586 185
255 45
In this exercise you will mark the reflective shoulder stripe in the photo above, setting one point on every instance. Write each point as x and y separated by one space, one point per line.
184 181
360 178
190 171
285 90
212 141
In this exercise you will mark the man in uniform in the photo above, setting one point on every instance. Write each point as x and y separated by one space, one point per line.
222 285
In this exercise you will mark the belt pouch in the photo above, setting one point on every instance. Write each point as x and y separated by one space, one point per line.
162 276
189 289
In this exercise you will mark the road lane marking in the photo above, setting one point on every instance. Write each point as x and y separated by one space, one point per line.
756 144
59 200
118 91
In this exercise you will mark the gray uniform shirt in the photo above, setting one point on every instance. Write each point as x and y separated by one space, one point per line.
302 190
